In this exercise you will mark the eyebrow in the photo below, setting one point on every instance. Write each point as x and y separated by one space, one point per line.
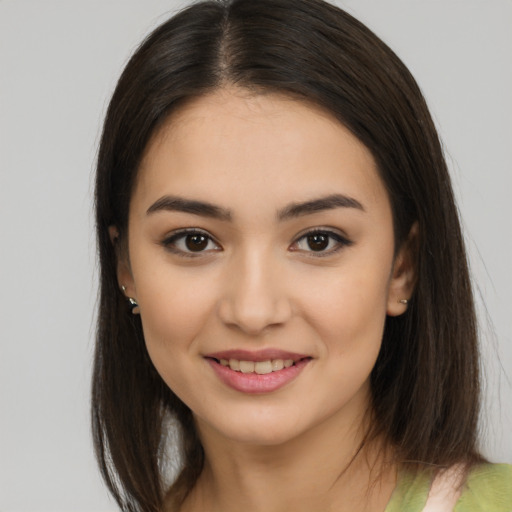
205 209
179 204
317 205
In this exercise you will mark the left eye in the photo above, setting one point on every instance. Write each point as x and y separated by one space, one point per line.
190 242
320 242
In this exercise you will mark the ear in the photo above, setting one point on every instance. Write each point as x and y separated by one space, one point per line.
403 278
124 273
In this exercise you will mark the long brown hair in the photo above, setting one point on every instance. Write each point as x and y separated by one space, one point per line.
425 384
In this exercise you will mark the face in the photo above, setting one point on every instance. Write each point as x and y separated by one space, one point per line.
261 253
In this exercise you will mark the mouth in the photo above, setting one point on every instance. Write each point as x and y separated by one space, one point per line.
259 367
257 372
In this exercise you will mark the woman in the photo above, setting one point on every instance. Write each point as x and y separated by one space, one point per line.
283 275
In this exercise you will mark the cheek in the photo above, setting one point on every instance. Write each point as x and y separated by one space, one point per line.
349 319
175 309
349 310
173 315
171 321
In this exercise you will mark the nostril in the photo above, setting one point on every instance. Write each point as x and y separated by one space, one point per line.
255 313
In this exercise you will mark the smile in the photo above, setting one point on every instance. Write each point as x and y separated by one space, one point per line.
257 373
259 367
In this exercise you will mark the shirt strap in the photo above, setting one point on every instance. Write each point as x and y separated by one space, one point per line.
445 490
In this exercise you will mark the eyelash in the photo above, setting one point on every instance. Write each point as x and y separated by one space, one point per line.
339 240
170 242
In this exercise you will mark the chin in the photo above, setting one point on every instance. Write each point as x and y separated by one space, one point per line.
262 436
256 429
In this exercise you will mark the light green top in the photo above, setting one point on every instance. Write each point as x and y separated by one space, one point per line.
487 489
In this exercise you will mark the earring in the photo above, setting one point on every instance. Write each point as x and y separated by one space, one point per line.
403 301
134 305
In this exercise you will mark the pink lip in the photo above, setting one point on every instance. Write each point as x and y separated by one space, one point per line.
254 383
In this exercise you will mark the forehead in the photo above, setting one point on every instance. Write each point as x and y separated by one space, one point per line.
233 146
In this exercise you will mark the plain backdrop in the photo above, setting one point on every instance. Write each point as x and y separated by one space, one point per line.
59 62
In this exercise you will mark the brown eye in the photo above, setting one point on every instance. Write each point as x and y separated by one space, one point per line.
318 241
191 243
196 242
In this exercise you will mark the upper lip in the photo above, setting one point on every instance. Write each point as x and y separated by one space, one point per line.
257 355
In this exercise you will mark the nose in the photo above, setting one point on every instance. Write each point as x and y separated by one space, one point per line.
254 297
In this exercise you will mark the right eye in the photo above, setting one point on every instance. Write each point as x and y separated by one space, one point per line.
190 243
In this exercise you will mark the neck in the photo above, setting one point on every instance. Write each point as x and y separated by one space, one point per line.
329 467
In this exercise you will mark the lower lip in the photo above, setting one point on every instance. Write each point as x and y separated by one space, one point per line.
254 382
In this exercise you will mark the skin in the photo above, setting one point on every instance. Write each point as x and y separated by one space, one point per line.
258 284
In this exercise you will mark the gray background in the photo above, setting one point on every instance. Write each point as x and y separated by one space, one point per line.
59 61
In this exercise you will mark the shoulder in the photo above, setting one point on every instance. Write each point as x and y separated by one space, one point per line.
488 488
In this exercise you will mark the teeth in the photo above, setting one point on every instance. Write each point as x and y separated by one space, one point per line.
277 364
247 366
263 367
234 364
260 367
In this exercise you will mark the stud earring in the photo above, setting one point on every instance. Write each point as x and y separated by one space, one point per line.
134 305
403 301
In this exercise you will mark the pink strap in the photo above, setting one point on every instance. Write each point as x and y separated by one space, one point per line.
445 490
